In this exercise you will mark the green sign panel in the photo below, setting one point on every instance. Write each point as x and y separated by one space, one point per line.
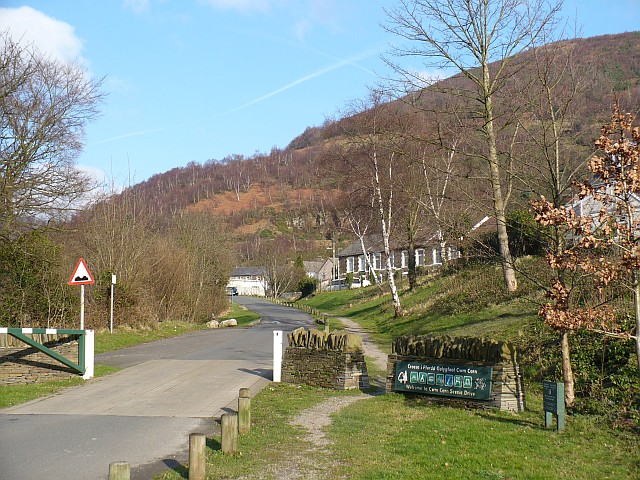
464 381
553 403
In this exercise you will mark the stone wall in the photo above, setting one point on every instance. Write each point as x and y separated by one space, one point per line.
507 387
323 359
23 364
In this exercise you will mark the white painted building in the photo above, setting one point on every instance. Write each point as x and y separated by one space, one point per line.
249 281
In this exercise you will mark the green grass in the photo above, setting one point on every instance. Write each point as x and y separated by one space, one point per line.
241 314
398 437
438 306
127 337
393 436
271 440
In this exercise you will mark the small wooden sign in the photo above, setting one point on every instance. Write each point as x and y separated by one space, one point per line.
553 402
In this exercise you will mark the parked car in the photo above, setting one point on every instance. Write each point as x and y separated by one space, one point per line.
232 291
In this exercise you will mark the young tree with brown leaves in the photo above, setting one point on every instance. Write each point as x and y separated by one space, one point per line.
604 228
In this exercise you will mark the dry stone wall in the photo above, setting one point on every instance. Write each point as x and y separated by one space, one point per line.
325 359
22 364
507 388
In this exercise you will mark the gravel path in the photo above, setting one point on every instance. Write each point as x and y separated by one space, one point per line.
370 349
304 464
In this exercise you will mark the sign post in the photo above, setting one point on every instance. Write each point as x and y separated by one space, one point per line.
277 355
81 276
553 402
113 282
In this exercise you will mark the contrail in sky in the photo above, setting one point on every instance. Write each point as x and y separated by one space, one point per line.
348 61
306 78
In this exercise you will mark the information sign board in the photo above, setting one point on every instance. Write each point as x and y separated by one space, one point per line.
553 403
463 381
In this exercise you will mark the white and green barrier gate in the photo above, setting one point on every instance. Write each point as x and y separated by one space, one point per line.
85 363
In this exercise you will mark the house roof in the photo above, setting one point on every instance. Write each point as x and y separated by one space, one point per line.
247 272
313 267
373 243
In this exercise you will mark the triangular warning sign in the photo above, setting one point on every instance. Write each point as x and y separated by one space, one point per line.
81 275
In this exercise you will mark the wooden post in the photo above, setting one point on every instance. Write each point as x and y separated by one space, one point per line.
229 434
244 411
197 460
119 471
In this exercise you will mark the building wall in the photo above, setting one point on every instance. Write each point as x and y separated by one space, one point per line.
248 286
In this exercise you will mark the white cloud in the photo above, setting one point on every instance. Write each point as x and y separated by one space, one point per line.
424 78
137 6
243 5
52 37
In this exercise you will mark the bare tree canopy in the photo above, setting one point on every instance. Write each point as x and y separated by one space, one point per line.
479 39
44 107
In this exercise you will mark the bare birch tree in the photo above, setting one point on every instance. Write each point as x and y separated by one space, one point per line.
478 39
372 151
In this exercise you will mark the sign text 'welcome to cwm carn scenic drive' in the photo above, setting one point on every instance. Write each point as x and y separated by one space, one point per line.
464 381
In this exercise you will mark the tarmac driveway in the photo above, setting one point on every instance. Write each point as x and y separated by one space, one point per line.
144 413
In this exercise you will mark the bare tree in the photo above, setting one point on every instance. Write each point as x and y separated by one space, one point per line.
544 108
371 149
360 219
44 107
479 39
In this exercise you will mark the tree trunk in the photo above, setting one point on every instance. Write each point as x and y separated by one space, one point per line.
411 267
567 371
636 308
499 207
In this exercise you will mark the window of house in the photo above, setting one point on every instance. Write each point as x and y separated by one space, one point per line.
362 263
376 261
420 257
437 256
350 261
404 259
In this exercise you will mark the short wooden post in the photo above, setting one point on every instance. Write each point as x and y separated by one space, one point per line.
229 433
197 460
244 411
119 471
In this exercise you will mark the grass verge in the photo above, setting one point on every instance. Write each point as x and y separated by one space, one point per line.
395 436
271 443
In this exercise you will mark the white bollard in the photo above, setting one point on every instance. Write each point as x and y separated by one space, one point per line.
277 355
89 342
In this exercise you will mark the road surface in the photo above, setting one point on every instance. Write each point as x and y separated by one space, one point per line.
144 413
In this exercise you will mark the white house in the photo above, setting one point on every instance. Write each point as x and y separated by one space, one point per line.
249 281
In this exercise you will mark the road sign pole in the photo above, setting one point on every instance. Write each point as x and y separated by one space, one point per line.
113 282
81 276
81 307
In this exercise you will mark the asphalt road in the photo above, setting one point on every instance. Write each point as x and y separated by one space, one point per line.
144 413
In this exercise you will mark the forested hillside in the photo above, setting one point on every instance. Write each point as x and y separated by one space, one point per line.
299 179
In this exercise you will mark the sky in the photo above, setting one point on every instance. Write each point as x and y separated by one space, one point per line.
198 80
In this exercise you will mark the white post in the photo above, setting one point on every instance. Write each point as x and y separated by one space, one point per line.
113 282
81 307
89 343
277 355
